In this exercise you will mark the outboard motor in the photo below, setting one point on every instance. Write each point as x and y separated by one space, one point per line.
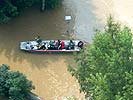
80 44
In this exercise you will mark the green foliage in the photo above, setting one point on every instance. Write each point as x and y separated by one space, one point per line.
14 85
50 4
3 77
9 10
12 8
127 92
72 98
21 4
105 68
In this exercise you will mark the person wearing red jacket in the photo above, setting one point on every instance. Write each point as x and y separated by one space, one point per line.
62 44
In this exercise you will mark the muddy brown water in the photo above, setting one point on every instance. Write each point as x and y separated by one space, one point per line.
47 71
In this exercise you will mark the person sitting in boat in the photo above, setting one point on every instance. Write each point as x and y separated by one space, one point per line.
71 45
52 45
43 46
39 46
34 47
28 46
58 44
62 44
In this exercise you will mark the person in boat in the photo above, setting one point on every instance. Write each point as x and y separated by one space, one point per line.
58 45
28 46
43 46
52 45
62 44
71 45
34 47
80 44
38 39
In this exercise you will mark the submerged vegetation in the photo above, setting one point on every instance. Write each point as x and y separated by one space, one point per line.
12 8
105 69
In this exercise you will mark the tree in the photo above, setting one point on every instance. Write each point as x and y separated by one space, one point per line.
127 91
14 85
21 4
105 68
43 5
50 4
12 8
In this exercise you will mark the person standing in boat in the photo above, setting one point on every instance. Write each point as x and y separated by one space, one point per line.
52 45
38 39
39 42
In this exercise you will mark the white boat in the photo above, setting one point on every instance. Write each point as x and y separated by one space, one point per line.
35 46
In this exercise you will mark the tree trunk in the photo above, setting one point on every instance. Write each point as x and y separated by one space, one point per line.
43 5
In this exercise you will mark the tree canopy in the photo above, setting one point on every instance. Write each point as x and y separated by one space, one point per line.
105 69
12 8
14 85
52 3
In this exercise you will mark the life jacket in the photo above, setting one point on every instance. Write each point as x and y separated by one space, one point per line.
57 43
62 45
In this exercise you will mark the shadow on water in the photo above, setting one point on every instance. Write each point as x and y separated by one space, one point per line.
49 25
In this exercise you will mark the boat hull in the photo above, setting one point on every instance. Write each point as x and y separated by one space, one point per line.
34 44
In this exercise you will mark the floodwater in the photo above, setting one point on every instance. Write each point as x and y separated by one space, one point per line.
49 71
89 15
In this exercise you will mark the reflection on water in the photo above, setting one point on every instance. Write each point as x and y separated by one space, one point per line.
47 71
